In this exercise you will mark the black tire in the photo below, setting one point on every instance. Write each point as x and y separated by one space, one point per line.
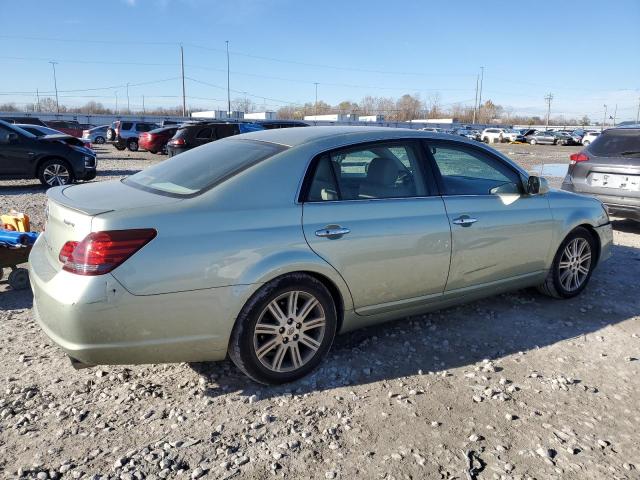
19 278
242 350
586 142
132 145
119 147
99 140
54 172
552 285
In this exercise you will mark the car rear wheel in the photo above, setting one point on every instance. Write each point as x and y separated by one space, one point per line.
284 330
55 172
99 140
572 266
119 147
132 145
532 141
586 142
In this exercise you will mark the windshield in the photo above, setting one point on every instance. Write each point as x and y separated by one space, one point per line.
22 131
199 169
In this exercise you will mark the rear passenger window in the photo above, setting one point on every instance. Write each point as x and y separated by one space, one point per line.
381 170
223 131
143 127
126 125
467 171
204 134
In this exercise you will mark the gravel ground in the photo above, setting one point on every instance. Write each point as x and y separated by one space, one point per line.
517 386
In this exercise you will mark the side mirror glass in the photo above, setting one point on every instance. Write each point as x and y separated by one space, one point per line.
537 185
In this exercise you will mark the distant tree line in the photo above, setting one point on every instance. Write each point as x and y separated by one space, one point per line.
405 108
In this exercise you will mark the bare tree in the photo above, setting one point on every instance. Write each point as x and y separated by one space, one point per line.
243 104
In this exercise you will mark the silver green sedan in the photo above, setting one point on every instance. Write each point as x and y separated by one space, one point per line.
263 246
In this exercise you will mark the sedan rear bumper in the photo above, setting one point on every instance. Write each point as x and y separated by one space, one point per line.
96 321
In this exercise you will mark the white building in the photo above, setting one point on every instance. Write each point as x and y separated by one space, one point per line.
435 120
332 117
268 115
218 115
371 118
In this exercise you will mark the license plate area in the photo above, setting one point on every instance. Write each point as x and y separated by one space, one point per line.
615 180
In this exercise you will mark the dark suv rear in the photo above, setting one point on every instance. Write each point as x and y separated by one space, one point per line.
609 169
193 135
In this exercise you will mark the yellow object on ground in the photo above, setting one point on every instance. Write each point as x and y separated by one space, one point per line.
16 221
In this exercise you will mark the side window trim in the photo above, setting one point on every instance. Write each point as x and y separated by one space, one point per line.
426 170
436 170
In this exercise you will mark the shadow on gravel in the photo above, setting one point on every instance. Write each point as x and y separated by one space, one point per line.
456 337
627 226
14 299
23 189
117 173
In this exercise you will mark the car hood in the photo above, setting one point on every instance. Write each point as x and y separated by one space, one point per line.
62 137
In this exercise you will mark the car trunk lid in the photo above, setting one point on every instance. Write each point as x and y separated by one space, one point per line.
71 210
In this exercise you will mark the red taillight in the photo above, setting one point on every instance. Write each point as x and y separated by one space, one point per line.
578 157
101 252
176 142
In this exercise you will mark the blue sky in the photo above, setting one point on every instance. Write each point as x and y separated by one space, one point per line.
587 53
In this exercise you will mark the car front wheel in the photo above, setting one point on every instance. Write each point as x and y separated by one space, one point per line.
99 140
132 145
55 172
572 266
532 141
284 330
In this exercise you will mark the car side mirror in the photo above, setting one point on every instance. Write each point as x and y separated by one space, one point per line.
537 185
12 138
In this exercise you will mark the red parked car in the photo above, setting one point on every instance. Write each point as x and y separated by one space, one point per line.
156 140
70 127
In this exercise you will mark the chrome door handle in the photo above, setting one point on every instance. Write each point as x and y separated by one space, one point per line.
465 221
332 231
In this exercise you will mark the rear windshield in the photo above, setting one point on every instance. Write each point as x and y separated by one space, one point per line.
617 142
199 169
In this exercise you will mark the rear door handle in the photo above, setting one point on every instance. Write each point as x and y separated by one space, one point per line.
465 221
332 231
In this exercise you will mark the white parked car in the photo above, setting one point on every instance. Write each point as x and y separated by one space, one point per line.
492 135
589 137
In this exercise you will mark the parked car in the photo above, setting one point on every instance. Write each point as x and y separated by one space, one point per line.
467 133
271 124
53 159
589 137
564 138
24 120
39 131
544 138
194 135
70 127
267 244
124 134
156 140
609 169
491 135
97 135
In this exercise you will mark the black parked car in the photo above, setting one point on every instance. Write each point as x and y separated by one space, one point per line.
271 124
609 169
193 135
53 159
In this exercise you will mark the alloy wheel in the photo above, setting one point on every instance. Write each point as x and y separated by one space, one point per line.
575 264
56 174
289 331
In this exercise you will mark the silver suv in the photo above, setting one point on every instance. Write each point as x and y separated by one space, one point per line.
124 134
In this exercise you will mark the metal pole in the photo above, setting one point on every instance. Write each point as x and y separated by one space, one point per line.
480 94
615 112
604 119
55 84
116 102
38 97
638 114
184 101
228 81
475 102
316 104
548 98
128 109
143 109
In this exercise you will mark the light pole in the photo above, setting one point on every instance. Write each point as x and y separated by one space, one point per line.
116 102
480 94
638 114
184 101
55 84
128 109
228 81
316 104
604 119
475 102
615 113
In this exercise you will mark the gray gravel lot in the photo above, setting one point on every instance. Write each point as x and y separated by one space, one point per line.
520 385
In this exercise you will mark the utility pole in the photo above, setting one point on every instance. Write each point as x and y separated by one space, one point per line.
480 94
638 114
475 102
316 104
128 109
604 119
184 101
228 81
548 99
143 109
38 97
615 112
55 84
116 102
